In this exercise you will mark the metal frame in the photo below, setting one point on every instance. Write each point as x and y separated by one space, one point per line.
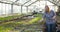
53 3
8 3
16 0
32 3
23 5
26 2
12 6
12 9
21 8
27 9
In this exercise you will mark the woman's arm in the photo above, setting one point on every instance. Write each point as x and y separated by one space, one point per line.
54 15
43 17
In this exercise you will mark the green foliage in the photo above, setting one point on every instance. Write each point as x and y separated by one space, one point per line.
9 17
9 26
34 20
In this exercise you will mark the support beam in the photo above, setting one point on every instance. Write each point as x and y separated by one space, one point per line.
8 3
11 8
58 11
5 9
27 9
21 8
26 2
4 2
1 9
32 3
53 3
58 8
16 0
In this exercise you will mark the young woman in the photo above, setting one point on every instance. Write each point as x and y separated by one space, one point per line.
50 16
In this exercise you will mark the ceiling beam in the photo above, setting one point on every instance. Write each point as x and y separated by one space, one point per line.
54 3
8 3
16 0
32 3
4 2
26 2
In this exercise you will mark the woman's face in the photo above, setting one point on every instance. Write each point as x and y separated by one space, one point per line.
46 8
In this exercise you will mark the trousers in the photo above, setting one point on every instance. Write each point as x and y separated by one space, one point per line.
51 27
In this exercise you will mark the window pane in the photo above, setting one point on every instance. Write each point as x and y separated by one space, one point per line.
24 10
22 1
0 9
16 9
8 9
30 2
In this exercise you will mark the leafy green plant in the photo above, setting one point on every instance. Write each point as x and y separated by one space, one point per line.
9 26
9 17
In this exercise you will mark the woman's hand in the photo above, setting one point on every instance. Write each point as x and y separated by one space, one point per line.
41 19
54 17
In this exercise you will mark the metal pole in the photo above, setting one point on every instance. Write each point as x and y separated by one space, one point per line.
21 9
5 9
27 9
1 9
32 3
11 8
59 8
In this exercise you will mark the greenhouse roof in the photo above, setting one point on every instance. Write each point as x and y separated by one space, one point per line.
27 2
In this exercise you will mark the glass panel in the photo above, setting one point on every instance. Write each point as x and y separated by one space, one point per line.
30 2
8 0
22 1
8 9
0 9
30 9
55 1
16 9
39 6
5 8
35 6
12 0
24 10
48 3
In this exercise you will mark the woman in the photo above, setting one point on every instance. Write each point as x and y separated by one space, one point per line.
50 16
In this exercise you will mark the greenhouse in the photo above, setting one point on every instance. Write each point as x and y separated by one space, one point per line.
26 15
